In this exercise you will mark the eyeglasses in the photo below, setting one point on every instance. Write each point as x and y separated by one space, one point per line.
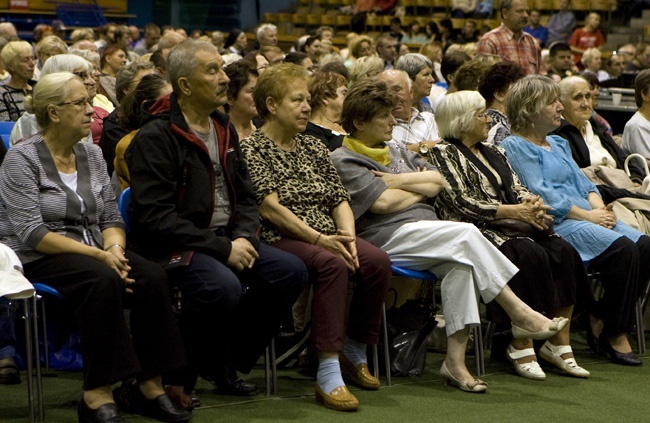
482 114
83 74
80 104
263 67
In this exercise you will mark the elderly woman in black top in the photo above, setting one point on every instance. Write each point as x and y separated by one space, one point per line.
481 188
327 91
58 212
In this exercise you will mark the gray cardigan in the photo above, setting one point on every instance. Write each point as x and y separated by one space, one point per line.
365 188
35 201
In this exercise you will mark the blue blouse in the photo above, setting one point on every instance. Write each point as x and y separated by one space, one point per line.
553 175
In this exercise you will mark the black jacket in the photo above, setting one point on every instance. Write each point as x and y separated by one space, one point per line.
172 186
580 151
331 140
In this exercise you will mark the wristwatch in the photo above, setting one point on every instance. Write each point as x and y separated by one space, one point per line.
423 148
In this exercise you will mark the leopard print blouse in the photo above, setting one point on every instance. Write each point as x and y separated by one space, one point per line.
305 180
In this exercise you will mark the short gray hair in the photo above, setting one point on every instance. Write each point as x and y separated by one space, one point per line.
51 43
91 56
568 84
64 63
260 31
364 65
456 111
182 62
127 74
413 63
589 55
52 88
526 99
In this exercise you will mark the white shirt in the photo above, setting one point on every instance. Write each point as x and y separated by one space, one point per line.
421 127
598 155
636 135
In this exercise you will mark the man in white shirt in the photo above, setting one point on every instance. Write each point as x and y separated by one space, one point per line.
415 130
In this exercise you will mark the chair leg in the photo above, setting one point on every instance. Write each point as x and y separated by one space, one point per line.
489 332
274 369
389 379
37 361
267 370
478 351
45 345
27 315
640 329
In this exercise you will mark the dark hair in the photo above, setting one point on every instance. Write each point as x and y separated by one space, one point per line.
591 78
498 78
446 23
309 41
396 20
336 67
364 101
433 27
232 37
556 48
297 57
129 112
239 73
468 75
452 61
641 85
158 60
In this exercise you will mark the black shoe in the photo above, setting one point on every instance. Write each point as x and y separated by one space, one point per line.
129 398
592 340
164 410
194 397
627 359
107 413
9 374
228 383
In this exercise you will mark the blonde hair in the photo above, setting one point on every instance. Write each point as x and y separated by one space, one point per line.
52 88
12 50
51 44
364 66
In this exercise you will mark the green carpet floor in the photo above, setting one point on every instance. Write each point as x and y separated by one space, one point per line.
613 394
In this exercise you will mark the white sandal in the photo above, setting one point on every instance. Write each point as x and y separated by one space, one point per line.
553 354
530 370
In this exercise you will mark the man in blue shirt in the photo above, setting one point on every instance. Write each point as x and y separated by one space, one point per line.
537 30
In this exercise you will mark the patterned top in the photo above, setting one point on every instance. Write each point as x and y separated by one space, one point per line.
304 179
523 50
35 200
499 127
11 103
468 195
421 127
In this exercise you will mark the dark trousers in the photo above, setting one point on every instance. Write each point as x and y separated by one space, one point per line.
228 318
98 298
551 276
624 273
330 277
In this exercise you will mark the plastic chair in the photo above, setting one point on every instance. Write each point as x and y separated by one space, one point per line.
5 132
123 206
429 278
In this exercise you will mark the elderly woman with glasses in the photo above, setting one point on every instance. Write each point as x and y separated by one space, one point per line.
26 126
481 188
58 213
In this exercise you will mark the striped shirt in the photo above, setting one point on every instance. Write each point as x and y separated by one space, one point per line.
34 201
522 50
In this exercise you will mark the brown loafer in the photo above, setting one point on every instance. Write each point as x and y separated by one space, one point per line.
340 399
359 375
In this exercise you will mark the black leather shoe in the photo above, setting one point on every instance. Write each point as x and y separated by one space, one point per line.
163 409
627 359
129 398
228 383
107 413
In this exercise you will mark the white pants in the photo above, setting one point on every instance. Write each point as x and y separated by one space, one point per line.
467 262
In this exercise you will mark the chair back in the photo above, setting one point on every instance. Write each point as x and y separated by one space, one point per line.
5 132
123 206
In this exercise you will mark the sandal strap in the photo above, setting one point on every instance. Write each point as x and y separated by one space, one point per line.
558 349
516 354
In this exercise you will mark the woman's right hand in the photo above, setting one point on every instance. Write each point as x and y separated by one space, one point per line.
603 216
337 245
533 212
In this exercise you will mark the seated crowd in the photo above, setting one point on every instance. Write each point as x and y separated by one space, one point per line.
258 175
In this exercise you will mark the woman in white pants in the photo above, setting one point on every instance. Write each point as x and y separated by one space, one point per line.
390 187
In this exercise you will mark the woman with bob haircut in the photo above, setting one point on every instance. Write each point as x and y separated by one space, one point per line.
19 61
544 164
481 188
390 187
241 104
327 91
305 211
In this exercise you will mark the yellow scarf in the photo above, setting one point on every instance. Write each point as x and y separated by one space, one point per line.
380 155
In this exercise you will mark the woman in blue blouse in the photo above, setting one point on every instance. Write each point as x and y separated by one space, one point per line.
544 164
